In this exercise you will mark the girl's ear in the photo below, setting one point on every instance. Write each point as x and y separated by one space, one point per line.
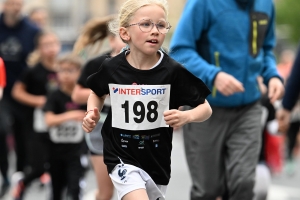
124 34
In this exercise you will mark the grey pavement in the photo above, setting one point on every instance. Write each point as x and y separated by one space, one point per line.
283 187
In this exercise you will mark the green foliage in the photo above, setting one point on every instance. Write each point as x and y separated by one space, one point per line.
288 17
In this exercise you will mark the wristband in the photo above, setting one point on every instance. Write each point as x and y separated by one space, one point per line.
88 112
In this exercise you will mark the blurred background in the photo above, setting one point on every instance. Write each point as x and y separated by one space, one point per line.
67 17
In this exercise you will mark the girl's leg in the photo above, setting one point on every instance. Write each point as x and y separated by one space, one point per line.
105 186
139 194
58 178
74 171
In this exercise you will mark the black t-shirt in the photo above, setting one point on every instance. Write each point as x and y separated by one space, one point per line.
90 68
58 102
39 81
148 149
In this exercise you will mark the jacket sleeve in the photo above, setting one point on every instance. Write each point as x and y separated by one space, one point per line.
292 90
193 22
2 74
269 65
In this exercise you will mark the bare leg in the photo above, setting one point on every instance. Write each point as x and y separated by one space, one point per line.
105 186
139 194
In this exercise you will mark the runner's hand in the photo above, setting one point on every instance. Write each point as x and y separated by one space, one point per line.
276 89
90 120
283 118
227 85
176 118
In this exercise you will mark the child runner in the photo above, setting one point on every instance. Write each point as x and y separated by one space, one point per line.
146 88
31 89
64 118
96 27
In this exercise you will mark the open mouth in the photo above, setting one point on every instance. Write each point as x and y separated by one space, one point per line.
153 41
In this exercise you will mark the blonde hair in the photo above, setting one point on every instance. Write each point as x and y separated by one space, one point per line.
34 57
94 31
70 58
129 8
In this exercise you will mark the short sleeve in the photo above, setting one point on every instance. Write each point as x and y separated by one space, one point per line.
189 89
90 68
26 77
50 103
98 82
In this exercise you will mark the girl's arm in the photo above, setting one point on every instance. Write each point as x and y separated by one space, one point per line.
20 94
177 118
53 119
80 94
94 105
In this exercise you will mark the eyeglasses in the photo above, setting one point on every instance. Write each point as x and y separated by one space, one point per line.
67 71
146 25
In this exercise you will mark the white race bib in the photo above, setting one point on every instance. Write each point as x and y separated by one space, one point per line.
67 132
39 124
139 107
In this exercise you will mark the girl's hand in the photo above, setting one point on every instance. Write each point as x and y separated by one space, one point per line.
176 118
90 120
40 101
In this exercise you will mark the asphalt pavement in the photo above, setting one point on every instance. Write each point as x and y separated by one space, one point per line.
283 187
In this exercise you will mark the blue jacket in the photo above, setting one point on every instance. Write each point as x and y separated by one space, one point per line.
218 35
15 45
292 89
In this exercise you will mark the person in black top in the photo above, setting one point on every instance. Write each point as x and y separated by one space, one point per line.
31 90
64 118
17 35
146 88
81 92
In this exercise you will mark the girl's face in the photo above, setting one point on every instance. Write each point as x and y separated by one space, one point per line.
40 18
68 74
139 40
49 46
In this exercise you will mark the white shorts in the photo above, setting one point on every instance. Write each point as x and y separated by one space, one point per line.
127 178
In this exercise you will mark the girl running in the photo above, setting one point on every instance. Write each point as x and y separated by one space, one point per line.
146 88
64 117
96 27
31 90
3 145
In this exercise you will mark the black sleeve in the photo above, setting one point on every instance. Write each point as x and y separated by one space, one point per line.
90 68
50 103
98 82
292 89
189 89
26 77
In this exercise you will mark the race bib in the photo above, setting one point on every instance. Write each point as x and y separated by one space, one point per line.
68 132
139 107
39 124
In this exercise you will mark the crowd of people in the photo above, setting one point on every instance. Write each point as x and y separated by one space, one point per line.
120 107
